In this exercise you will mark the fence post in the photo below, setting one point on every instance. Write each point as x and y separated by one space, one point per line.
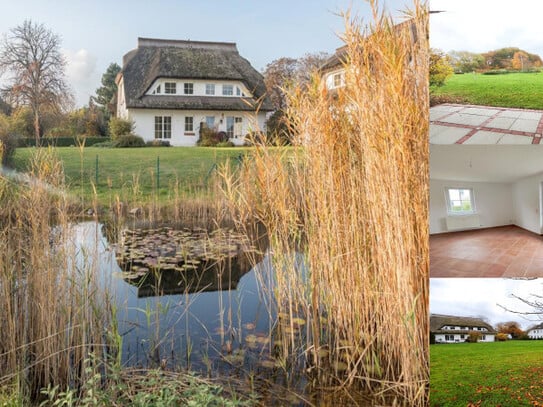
157 173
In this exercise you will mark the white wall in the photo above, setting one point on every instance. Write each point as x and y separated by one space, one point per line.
144 120
526 203
536 333
199 87
440 338
493 203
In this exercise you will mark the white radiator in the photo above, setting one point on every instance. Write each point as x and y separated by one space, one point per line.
462 222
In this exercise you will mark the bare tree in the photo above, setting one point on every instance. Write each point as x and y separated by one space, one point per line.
30 56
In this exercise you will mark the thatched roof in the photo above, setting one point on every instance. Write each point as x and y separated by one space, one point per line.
539 326
437 322
341 56
173 59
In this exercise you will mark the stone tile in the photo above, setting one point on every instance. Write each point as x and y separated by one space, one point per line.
530 115
515 139
447 135
501 123
480 111
468 119
484 137
514 114
525 125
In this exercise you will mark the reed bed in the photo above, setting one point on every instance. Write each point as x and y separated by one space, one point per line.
54 316
353 201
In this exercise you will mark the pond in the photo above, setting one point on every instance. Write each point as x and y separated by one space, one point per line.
186 298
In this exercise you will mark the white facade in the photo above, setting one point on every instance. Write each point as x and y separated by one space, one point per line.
461 337
536 333
198 87
181 134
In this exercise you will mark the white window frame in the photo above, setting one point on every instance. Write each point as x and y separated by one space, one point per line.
189 124
188 88
337 79
228 90
163 127
210 89
450 210
170 88
210 122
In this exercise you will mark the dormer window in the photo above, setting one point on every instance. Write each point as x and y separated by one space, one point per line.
338 80
210 88
157 90
238 91
170 88
228 90
188 88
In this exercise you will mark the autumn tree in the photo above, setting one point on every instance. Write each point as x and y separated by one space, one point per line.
33 70
280 75
465 61
510 328
440 67
106 92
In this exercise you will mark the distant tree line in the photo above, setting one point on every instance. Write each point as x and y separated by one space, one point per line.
510 59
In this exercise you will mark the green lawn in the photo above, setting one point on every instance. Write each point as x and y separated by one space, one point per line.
492 374
523 90
133 171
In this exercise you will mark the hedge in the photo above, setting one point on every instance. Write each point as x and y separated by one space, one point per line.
62 141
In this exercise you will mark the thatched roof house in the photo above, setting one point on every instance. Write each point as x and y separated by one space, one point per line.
450 329
536 332
171 87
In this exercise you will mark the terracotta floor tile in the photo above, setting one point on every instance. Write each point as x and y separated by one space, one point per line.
507 251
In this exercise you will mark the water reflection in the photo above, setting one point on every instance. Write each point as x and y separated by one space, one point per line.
189 319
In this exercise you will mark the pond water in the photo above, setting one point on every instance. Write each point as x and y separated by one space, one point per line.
184 309
219 321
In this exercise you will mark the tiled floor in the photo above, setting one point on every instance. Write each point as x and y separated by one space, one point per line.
507 251
468 124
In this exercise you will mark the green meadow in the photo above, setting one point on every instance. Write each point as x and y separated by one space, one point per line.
142 172
522 90
486 374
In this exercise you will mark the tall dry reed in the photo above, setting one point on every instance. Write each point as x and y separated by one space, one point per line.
352 198
52 311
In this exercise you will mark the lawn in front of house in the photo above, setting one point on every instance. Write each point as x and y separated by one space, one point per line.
522 90
486 374
133 171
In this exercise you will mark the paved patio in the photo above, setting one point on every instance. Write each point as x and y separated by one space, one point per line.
469 124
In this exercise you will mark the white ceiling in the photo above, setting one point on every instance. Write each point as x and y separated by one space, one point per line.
485 163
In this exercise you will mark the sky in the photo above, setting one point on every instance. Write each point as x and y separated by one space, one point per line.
485 25
99 32
482 297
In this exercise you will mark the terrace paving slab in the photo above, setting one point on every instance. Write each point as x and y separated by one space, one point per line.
470 124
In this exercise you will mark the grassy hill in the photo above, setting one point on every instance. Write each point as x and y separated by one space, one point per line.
486 374
522 90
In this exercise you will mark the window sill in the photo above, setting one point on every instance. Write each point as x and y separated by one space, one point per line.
189 134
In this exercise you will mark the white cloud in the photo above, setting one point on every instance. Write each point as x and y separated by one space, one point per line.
81 74
484 25
482 297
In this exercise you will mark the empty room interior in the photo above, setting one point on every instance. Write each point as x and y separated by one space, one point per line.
486 217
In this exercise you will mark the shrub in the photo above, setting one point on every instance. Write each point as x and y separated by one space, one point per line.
225 144
62 141
120 127
8 144
501 337
158 143
210 138
129 140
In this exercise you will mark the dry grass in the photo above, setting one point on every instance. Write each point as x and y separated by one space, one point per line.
353 200
53 314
